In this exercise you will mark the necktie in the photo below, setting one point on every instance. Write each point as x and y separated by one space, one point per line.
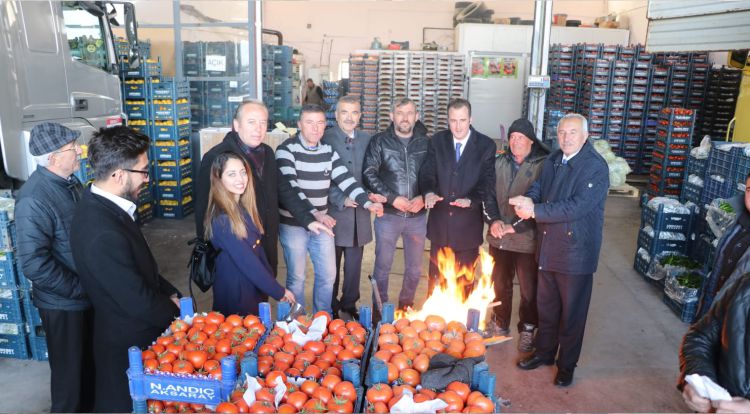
349 140
564 161
458 151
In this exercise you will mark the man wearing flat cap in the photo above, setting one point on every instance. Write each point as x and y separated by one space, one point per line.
44 211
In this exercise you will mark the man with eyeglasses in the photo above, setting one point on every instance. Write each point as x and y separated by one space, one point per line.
44 211
132 302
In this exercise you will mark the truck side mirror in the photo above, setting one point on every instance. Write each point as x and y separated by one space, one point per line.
131 30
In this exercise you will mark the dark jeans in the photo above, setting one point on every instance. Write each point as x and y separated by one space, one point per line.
563 304
71 359
507 266
352 270
463 258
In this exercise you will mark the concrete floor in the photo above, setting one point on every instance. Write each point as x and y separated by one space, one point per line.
629 361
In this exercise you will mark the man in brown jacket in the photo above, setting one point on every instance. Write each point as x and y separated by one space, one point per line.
513 251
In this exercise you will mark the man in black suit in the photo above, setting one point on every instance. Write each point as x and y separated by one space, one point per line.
458 180
133 304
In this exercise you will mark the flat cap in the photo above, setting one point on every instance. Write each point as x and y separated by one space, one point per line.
50 136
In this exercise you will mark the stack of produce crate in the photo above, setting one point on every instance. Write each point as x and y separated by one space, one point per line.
635 114
596 93
720 101
655 101
618 102
385 83
363 81
672 145
330 98
282 84
171 148
728 165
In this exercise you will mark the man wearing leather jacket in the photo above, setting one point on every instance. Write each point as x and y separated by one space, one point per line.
391 169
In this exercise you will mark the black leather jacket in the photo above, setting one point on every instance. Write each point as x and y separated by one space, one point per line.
716 345
392 169
44 212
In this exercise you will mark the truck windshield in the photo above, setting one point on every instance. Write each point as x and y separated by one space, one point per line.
86 36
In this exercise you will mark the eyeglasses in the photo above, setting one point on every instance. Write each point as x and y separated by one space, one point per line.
144 172
75 147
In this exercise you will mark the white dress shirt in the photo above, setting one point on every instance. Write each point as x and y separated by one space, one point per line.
124 204
565 158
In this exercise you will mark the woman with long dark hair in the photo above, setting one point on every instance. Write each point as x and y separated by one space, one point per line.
233 225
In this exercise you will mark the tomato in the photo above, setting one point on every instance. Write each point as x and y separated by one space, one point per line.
224 346
197 358
396 398
412 344
330 381
401 324
345 355
419 326
214 317
399 389
151 364
226 407
335 324
340 405
291 347
428 335
332 340
395 348
164 340
379 407
428 392
421 362
314 406
306 356
241 405
165 367
273 376
409 376
482 404
198 337
449 336
455 348
297 399
264 394
148 354
316 347
474 348
286 409
401 362
454 401
459 388
360 333
379 393
155 406
262 407
214 370
332 371
352 325
392 372
340 331
391 338
323 314
308 387
322 394
345 390
435 323
456 326
183 367
210 328
312 371
176 347
418 398
472 336
179 326
408 332
283 357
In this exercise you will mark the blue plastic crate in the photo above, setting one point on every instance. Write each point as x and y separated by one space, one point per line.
137 125
173 152
14 346
11 309
148 69
135 89
8 273
671 148
144 213
168 88
179 211
667 173
30 311
691 192
741 169
697 166
174 192
170 132
640 264
137 109
663 221
7 235
173 172
38 347
218 105
655 245
167 109
686 312
668 160
724 163
713 189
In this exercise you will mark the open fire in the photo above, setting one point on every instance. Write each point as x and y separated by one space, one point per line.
459 290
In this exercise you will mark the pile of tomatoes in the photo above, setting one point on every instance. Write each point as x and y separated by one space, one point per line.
315 359
331 395
380 398
197 348
407 346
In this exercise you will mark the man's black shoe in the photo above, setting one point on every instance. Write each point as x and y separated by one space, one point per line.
351 314
533 362
564 377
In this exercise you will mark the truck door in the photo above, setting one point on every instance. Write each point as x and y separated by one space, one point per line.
92 75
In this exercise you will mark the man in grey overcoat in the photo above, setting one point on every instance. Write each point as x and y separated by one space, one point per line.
353 227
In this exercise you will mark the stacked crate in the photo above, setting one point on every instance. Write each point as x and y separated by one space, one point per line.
636 113
429 106
330 98
171 149
728 165
618 102
596 93
671 148
267 64
385 82
363 75
692 186
722 89
282 83
656 101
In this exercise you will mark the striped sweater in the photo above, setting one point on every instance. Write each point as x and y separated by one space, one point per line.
310 173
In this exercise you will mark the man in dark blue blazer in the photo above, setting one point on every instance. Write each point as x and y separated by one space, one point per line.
458 180
567 202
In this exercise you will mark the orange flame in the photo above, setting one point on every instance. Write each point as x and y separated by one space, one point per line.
449 299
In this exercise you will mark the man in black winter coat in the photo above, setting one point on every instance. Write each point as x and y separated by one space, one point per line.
250 125
458 180
567 201
133 303
44 211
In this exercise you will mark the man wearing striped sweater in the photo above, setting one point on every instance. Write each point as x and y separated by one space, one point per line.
311 168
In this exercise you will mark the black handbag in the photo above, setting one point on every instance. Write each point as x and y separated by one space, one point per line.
202 264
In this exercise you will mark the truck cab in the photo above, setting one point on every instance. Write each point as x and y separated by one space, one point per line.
57 63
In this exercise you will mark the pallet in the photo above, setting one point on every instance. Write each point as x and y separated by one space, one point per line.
625 190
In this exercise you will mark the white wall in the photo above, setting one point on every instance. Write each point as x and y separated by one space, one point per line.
636 13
